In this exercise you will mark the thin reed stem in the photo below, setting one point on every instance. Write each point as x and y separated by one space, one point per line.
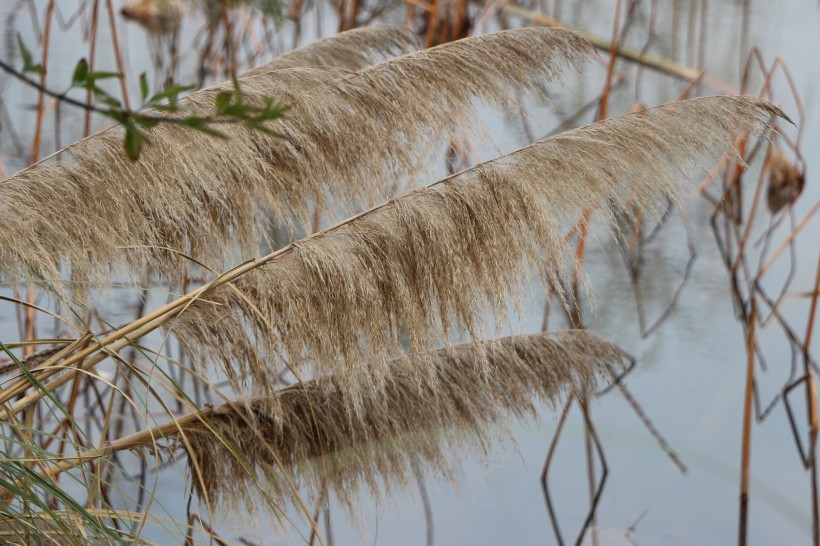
746 454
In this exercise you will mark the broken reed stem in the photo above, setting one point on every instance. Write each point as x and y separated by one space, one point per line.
786 242
548 465
591 481
650 61
811 403
747 427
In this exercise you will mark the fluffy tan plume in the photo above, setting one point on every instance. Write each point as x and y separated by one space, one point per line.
409 425
434 261
351 50
346 138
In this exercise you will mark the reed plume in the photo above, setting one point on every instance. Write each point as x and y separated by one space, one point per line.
347 136
427 265
351 50
409 425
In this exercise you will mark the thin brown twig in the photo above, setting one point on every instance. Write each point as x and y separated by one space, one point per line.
811 403
545 471
785 244
747 429
92 57
117 54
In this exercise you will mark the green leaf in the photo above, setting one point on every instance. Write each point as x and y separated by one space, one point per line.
34 381
24 52
144 86
201 124
28 63
171 93
223 101
144 122
99 75
80 76
263 129
268 113
134 139
237 89
108 100
239 111
272 111
101 95
118 115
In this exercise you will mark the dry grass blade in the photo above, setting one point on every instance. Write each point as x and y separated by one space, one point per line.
48 530
345 135
410 425
435 260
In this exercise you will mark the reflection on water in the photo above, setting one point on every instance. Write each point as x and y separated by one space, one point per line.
690 378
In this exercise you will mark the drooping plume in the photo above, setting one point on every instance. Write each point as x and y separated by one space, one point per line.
433 262
410 425
346 138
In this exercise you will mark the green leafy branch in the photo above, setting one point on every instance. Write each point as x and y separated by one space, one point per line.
229 105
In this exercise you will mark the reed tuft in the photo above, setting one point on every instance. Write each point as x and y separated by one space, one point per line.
428 265
346 138
409 425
